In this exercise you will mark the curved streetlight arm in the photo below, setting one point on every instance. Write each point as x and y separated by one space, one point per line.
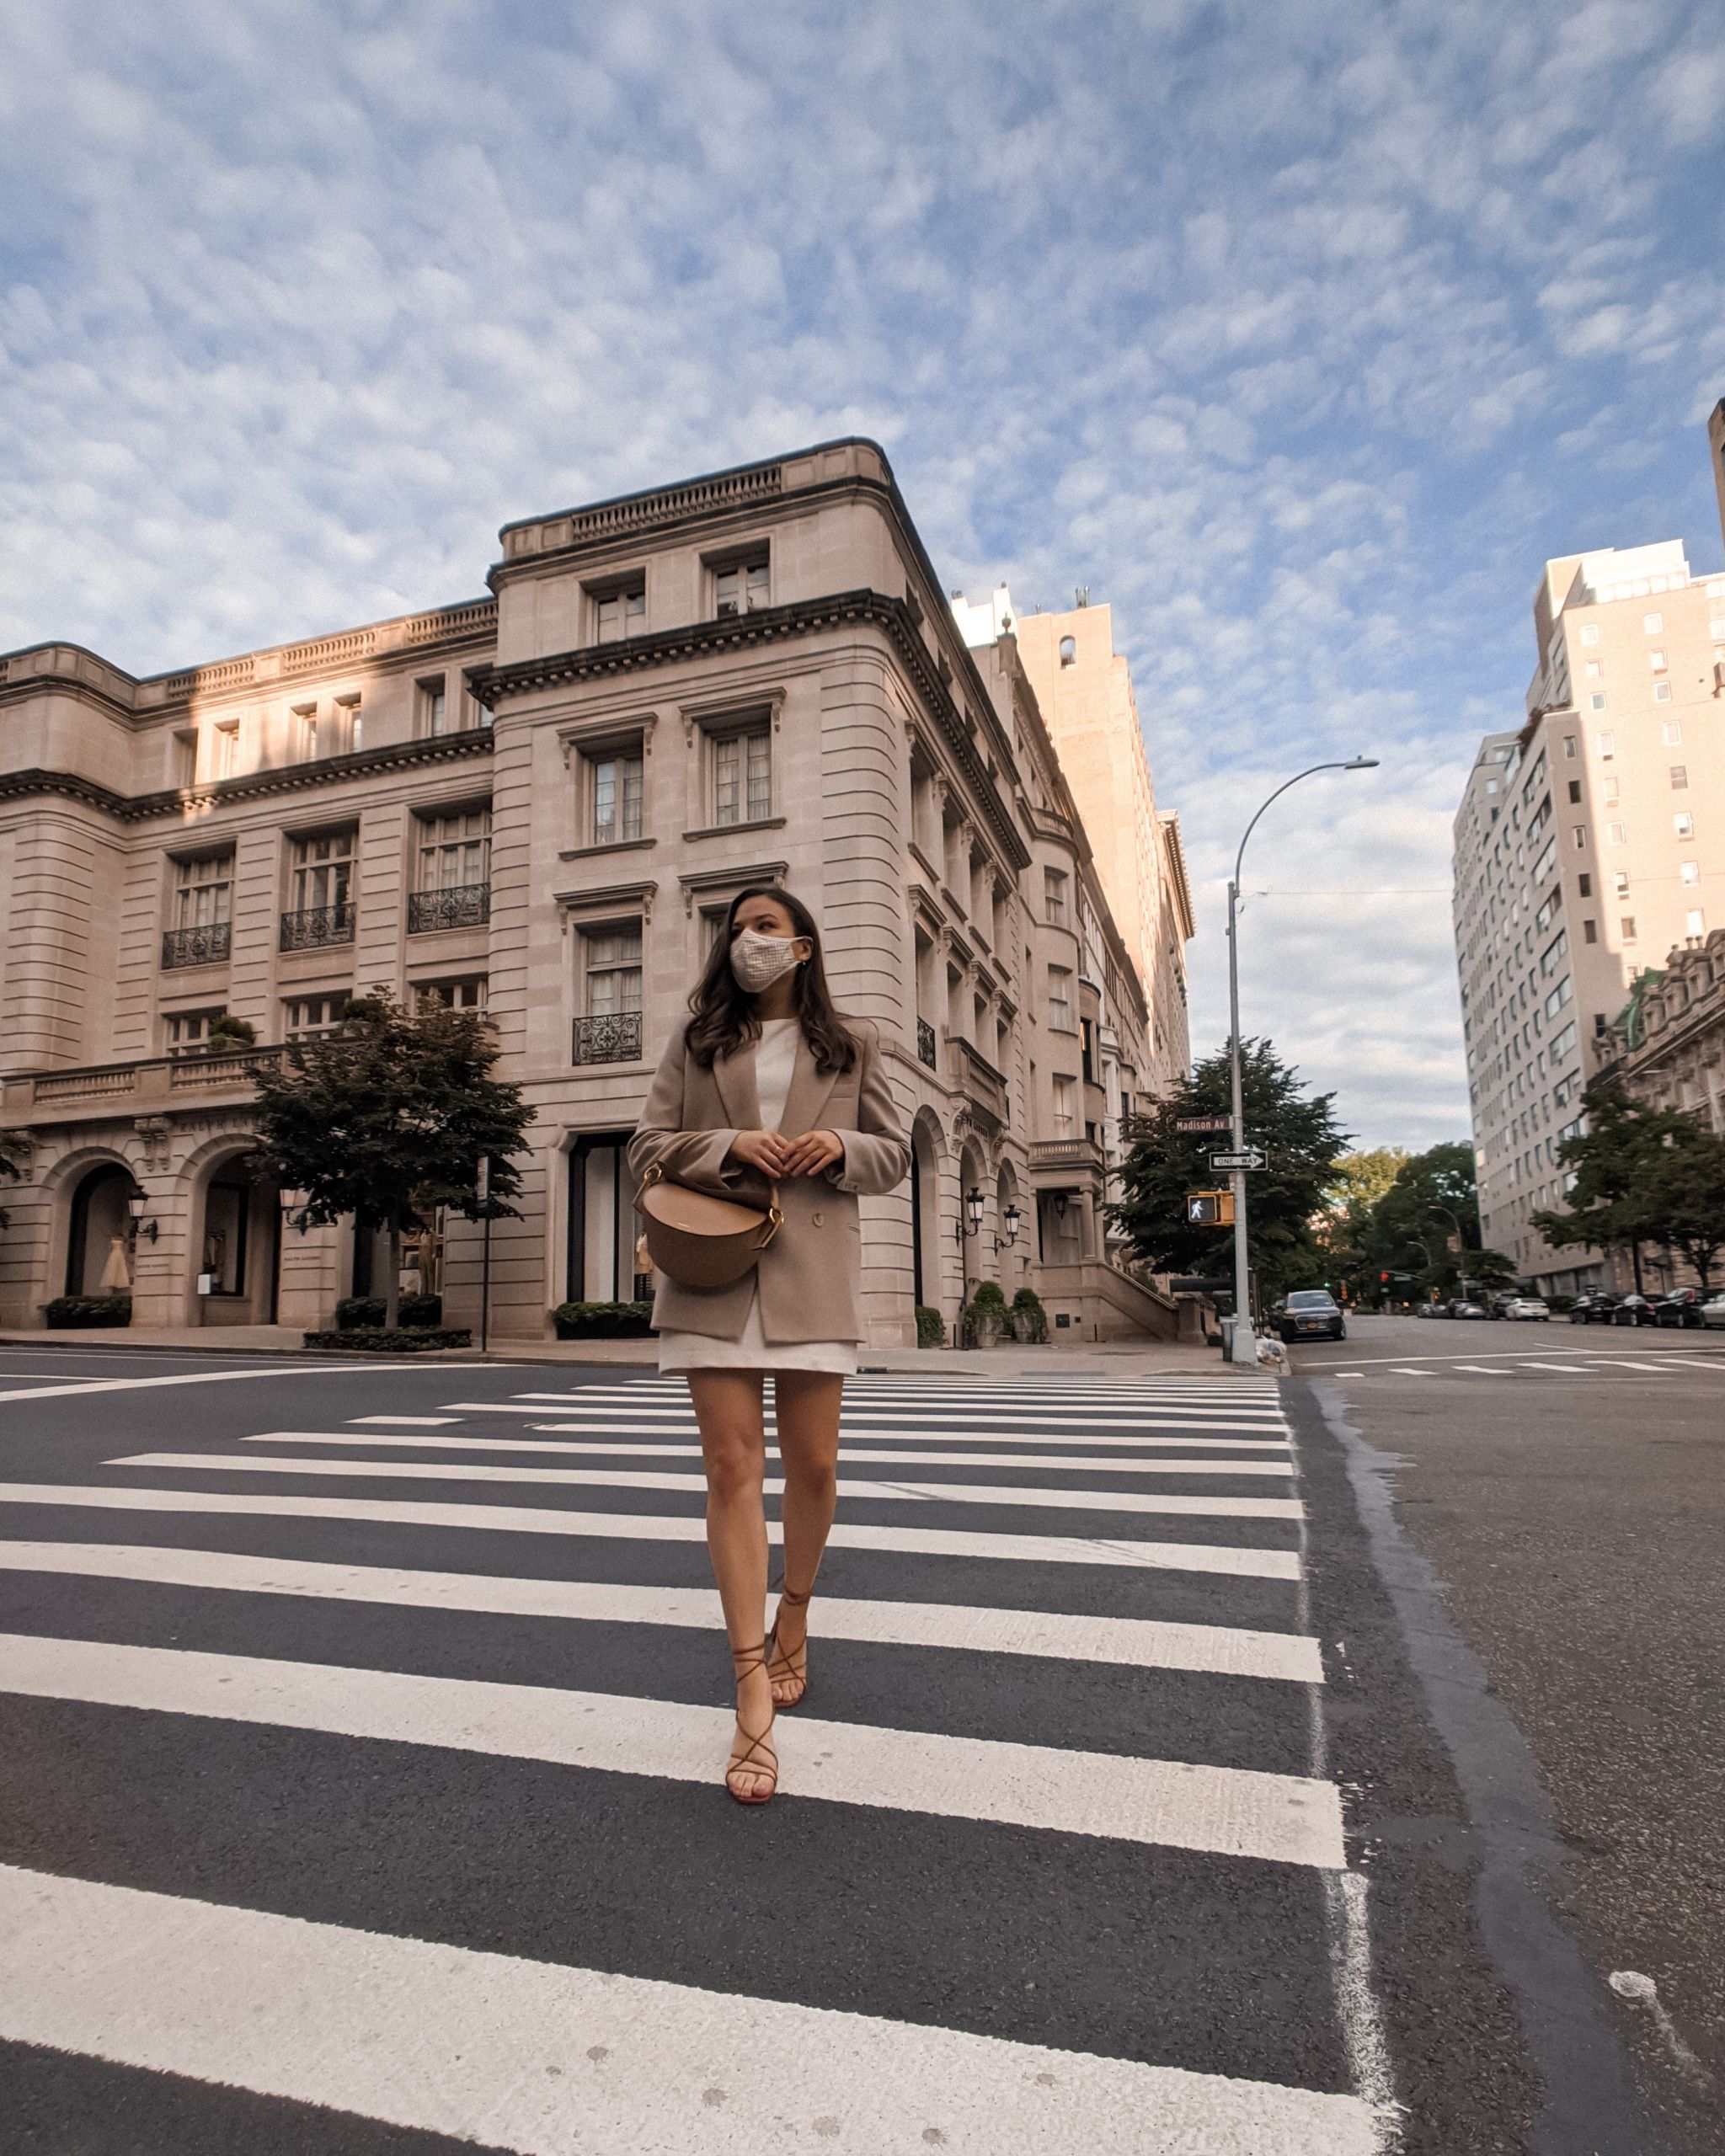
1342 764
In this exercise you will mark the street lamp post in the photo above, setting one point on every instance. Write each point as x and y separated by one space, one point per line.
1242 1345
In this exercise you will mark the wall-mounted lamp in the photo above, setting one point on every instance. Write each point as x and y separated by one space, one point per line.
136 1206
1009 1220
1061 1203
293 1209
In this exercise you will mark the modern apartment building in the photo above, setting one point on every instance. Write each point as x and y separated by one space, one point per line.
538 804
1589 842
1084 690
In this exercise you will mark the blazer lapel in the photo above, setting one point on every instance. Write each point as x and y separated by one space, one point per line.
735 1077
808 1093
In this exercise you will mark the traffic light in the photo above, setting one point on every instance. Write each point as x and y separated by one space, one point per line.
1210 1209
1384 1279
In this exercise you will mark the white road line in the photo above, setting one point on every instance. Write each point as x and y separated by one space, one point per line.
1614 1362
1093 1440
414 1422
608 1478
198 1377
1713 1363
1225 1811
542 2059
1480 1370
1054 1463
1568 1369
1090 1429
1401 1370
1131 1642
1240 1561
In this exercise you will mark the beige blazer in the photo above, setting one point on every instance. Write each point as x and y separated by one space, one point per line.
810 1274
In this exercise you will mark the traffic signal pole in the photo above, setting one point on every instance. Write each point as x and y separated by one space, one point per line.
1242 1345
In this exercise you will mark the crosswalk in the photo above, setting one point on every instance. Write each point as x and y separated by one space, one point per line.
373 1766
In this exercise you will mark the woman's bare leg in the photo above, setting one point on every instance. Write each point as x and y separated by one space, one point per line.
727 1408
807 1403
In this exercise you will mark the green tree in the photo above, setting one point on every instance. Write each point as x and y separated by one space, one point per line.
1297 1130
1361 1180
390 1115
14 1150
1434 1199
1641 1175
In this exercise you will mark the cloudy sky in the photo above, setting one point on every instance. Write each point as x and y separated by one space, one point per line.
1302 333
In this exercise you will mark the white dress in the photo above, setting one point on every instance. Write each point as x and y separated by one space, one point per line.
774 1060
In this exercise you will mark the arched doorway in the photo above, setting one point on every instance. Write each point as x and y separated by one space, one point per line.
238 1248
978 1248
98 1248
1014 1252
926 1253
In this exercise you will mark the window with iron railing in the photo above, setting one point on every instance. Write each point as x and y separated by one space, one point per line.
203 894
320 891
609 1028
454 873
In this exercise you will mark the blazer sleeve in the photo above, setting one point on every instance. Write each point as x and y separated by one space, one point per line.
695 1158
877 1155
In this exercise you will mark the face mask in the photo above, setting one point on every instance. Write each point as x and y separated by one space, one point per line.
758 960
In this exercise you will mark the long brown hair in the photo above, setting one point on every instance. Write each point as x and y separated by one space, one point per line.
724 1010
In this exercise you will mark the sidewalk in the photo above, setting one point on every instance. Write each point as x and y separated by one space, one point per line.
1122 1358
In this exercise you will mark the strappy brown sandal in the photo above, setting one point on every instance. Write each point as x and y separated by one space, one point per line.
781 1669
745 1661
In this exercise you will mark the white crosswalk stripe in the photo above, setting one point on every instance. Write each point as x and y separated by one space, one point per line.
184 1574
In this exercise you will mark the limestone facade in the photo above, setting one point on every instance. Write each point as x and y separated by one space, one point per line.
539 804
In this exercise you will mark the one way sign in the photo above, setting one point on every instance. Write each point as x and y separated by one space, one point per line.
1251 1158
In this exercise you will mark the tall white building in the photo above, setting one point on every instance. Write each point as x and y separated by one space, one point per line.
1590 840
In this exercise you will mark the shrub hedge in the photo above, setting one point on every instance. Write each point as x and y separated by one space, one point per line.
379 1339
354 1312
66 1313
931 1327
1030 1319
603 1320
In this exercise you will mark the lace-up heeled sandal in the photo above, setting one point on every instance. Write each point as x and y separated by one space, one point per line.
750 1754
783 1666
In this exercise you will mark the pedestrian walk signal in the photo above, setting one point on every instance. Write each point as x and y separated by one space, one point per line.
1210 1209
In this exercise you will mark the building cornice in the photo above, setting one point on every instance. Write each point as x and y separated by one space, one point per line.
253 785
494 685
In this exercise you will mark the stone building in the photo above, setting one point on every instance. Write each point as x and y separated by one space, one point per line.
1591 835
538 805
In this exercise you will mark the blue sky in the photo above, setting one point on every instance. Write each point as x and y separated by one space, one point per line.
1302 334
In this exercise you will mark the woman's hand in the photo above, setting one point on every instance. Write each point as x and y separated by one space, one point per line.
764 1150
812 1151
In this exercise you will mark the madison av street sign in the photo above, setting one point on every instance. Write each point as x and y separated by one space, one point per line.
1189 1122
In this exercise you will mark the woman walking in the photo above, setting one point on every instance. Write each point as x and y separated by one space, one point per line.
767 1084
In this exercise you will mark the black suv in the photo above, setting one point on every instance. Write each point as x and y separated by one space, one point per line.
1311 1312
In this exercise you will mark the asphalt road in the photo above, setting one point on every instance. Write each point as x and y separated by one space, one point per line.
1565 1487
364 1730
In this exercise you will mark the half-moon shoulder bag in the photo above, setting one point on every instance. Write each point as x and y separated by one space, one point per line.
700 1242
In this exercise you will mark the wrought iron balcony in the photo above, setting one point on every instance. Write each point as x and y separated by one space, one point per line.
463 905
612 1037
925 1042
206 945
317 925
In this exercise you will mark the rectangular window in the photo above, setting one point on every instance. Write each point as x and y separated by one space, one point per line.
1569 746
1584 884
227 749
620 613
1689 871
1596 702
1059 998
323 871
1580 836
1653 625
1590 634
742 778
1589 932
1054 895
203 891
1575 789
1614 834
1679 778
1656 659
740 587
1562 1042
1559 997
305 724
1065 1091
1613 794
1661 692
188 1033
1671 733
1683 824
616 779
351 738
305 1017
434 705
1625 928
469 994
1695 922
1596 669
1619 884
454 850
1546 863
1606 743
610 964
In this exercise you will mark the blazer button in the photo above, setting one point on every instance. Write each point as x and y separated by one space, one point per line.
818 1219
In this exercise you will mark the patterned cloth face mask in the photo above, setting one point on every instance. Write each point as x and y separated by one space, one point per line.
758 960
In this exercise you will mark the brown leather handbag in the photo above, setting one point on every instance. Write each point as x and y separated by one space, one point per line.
700 1242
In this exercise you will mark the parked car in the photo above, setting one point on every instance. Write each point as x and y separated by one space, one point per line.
1682 1306
1309 1311
1499 1304
1713 1312
1634 1309
1432 1309
1468 1310
1532 1310
1593 1306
